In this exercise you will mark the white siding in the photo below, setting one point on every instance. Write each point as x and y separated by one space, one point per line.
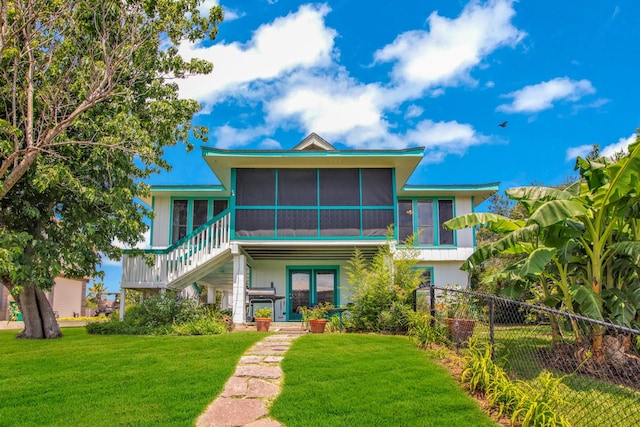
162 209
464 236
67 296
265 272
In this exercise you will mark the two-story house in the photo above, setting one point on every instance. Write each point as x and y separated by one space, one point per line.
290 219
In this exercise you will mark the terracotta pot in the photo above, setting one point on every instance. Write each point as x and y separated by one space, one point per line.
262 324
317 325
460 330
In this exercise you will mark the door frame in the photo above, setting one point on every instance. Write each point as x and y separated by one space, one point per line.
312 269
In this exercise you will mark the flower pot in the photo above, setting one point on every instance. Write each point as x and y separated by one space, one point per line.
460 330
317 325
262 324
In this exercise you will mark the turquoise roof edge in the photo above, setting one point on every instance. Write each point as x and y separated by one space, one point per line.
207 151
198 187
451 187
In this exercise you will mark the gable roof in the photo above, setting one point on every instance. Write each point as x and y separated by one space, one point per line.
313 142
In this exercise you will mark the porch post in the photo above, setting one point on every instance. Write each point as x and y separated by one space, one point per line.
123 292
211 295
239 271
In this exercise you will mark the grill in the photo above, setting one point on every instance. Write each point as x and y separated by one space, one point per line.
261 294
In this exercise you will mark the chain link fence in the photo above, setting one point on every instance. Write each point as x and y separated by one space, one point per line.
602 381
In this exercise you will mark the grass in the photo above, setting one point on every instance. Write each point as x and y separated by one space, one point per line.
369 380
517 346
95 380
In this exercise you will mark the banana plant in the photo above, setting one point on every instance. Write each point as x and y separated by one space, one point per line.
597 219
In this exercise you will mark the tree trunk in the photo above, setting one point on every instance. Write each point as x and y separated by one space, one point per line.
39 319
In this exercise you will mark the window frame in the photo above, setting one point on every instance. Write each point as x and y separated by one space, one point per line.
190 205
363 233
435 216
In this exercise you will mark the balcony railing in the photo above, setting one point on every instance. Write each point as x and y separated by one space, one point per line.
162 267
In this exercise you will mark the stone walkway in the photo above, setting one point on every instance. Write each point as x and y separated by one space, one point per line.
254 385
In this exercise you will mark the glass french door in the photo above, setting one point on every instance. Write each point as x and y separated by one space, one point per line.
308 287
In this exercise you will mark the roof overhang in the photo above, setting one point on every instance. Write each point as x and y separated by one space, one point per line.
479 192
185 191
222 161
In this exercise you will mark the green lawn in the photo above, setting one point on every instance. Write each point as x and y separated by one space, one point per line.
96 380
369 380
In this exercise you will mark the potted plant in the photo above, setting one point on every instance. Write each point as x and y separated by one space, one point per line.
457 307
263 319
315 316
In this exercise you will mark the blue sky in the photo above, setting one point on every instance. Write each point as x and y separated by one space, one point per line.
439 74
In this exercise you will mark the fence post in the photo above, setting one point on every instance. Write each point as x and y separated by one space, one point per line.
432 304
491 324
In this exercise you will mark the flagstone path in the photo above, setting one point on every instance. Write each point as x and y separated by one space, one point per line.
255 383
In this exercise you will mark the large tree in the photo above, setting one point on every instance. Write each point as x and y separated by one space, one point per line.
88 103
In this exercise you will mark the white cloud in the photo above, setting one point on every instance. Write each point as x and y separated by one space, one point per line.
608 150
579 151
298 40
291 70
445 54
270 144
541 96
442 138
227 136
413 111
621 145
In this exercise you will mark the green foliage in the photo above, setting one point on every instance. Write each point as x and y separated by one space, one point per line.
164 315
346 380
380 288
530 404
396 318
539 402
116 380
423 333
263 313
91 104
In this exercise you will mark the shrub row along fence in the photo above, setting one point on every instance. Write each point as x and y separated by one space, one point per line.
601 383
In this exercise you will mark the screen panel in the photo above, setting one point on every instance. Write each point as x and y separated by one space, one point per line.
255 222
376 221
255 187
377 187
298 222
405 219
339 187
425 222
297 187
339 222
445 213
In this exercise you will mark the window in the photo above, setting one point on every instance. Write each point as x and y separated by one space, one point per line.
315 202
420 216
200 213
190 214
180 220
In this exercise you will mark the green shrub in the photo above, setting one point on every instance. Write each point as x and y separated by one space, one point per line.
395 318
199 327
539 401
423 333
164 315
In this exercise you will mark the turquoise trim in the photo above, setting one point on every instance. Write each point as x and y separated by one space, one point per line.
395 206
492 186
207 152
179 242
313 297
190 203
153 209
473 229
186 188
435 215
232 204
275 208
